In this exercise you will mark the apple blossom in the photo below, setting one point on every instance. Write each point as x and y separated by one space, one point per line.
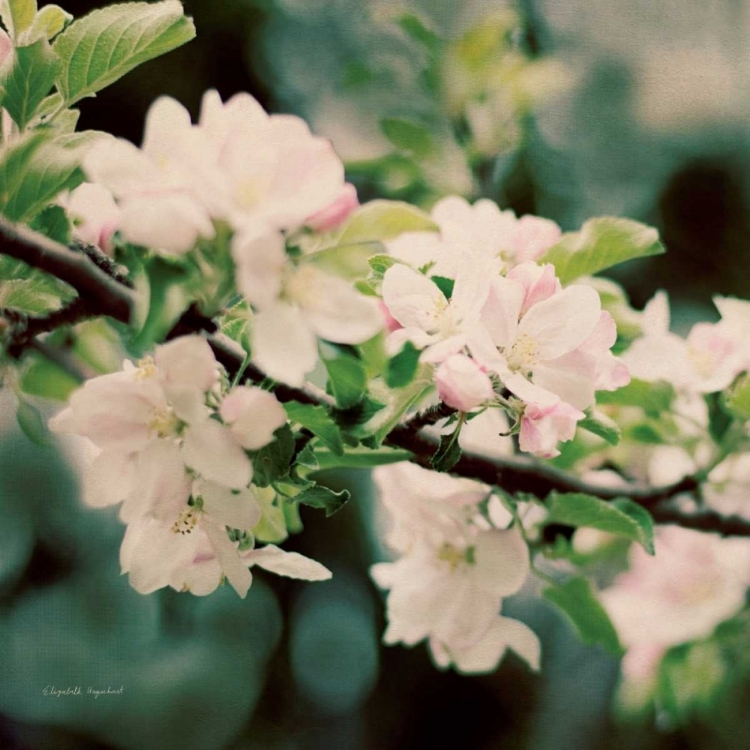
694 582
454 571
94 213
475 234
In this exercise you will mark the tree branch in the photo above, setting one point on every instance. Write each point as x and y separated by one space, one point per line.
104 294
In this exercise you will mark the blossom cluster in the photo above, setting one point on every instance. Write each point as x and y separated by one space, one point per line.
455 567
174 443
263 177
509 328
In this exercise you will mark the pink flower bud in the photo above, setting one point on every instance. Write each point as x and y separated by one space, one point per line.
534 236
462 384
334 214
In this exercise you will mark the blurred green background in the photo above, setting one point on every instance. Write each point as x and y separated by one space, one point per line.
651 121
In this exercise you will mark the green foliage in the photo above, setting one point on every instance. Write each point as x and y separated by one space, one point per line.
350 261
53 222
621 517
347 376
32 423
601 243
318 496
34 170
42 377
106 44
382 220
31 291
576 599
318 421
407 135
720 419
418 30
319 458
653 398
449 451
49 22
17 15
737 398
271 462
402 367
601 425
35 69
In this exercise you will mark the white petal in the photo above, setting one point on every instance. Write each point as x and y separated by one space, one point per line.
289 564
260 259
253 415
502 561
109 478
501 311
237 510
562 322
210 449
234 568
187 361
411 298
283 344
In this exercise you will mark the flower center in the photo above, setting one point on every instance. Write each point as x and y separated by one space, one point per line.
455 556
146 368
164 423
186 521
524 353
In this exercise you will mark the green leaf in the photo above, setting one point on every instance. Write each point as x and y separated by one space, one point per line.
653 398
271 462
445 285
33 74
103 46
168 300
418 30
449 451
621 517
576 599
318 421
349 261
33 173
31 423
49 22
601 425
601 243
321 458
347 377
31 291
719 419
407 135
272 525
382 220
318 496
737 398
47 379
53 222
17 15
402 367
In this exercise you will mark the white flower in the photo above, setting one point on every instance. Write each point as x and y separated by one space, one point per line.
297 304
155 186
694 582
471 234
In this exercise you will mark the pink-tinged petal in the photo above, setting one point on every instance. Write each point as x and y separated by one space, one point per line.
572 377
161 486
210 449
336 213
533 237
395 342
336 311
151 552
238 509
561 323
611 373
119 166
462 384
411 298
441 350
543 428
501 562
167 220
289 564
253 415
187 361
528 391
502 310
471 290
6 49
283 344
390 323
260 258
539 282
95 215
236 571
109 479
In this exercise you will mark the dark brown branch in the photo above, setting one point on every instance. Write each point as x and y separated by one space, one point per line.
104 295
